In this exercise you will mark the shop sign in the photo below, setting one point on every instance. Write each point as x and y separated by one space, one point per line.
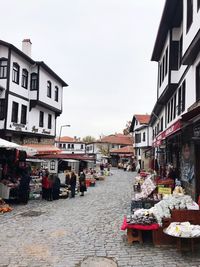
164 190
196 131
172 129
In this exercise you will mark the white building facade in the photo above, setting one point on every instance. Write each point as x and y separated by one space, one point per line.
71 145
175 114
30 96
142 135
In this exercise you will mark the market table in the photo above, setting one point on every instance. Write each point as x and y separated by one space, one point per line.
180 239
137 234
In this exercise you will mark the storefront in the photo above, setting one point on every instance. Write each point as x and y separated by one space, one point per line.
167 147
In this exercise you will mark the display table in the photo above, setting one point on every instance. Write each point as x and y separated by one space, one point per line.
134 231
180 240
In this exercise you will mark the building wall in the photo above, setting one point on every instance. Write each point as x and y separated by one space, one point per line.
43 78
165 81
194 28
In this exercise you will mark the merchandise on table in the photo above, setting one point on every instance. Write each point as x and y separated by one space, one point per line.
184 229
4 207
147 188
162 209
141 216
35 187
64 192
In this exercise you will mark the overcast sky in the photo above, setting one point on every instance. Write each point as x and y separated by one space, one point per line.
101 48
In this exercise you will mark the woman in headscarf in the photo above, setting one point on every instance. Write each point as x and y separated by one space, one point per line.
82 183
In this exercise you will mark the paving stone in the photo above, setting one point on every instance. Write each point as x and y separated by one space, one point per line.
65 232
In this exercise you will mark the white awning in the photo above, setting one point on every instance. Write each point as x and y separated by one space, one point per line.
70 160
36 160
10 145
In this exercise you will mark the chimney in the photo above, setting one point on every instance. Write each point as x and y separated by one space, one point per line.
26 47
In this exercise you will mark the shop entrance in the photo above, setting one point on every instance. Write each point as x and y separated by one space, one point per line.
197 169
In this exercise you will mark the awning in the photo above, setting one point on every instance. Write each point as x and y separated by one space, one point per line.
10 145
70 160
36 160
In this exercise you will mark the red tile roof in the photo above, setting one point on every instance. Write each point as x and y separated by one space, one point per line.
44 149
123 150
143 119
118 139
66 139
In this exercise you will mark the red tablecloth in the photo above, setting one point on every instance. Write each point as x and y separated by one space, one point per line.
126 225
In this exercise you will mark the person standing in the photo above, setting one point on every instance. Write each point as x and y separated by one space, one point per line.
56 187
45 184
67 177
50 187
73 184
24 189
82 183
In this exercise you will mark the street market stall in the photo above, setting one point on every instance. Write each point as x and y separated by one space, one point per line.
166 207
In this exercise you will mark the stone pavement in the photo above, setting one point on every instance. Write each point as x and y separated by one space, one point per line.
64 232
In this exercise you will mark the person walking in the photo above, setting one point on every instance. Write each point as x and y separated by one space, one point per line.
73 184
82 183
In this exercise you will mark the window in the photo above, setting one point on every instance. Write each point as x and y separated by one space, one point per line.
52 165
23 114
180 52
68 146
2 109
15 107
161 124
144 137
56 93
198 5
15 74
172 109
189 13
160 74
72 146
64 146
179 101
168 112
41 119
183 97
163 69
174 106
137 138
49 121
198 83
60 145
34 81
82 147
3 68
153 134
49 89
166 61
25 78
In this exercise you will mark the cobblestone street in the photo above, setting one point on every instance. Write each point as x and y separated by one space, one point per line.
67 231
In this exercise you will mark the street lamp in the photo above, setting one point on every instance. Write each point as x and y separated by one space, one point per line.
62 126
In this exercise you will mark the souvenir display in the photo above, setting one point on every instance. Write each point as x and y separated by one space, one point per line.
184 229
146 188
141 216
